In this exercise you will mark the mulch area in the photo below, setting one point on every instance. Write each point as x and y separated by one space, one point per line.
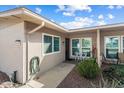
75 80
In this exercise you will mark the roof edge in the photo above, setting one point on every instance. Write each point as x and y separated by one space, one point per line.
97 27
23 10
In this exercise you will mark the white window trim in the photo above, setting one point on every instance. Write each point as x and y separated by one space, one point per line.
52 44
119 45
59 44
122 47
91 44
80 48
71 46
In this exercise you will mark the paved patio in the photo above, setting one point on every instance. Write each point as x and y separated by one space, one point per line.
53 77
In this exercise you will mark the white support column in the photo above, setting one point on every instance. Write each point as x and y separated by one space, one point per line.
98 47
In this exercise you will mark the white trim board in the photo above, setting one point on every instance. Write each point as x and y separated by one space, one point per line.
80 46
120 44
44 54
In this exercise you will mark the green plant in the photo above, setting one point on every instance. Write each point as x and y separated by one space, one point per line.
119 71
88 68
115 72
105 83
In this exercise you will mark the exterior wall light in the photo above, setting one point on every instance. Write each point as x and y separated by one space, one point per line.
18 42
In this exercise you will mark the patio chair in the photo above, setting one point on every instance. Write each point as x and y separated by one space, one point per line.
120 58
77 56
83 55
104 59
80 56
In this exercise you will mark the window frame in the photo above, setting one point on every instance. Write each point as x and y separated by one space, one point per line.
80 46
85 47
53 52
74 47
59 44
119 44
122 46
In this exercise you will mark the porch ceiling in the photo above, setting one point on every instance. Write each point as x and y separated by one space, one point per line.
27 15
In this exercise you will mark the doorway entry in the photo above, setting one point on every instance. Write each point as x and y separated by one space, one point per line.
67 49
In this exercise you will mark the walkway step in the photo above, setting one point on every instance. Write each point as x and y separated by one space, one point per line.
33 84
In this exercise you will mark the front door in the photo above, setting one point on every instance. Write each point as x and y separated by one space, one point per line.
67 48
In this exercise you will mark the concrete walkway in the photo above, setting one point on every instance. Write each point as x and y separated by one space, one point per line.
53 77
32 84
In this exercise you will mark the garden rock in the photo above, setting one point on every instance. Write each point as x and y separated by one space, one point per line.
3 77
6 85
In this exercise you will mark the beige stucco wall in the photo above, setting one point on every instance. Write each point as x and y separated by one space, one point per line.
109 33
35 48
12 57
84 34
93 34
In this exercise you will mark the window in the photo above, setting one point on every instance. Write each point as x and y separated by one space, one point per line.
75 46
56 44
51 43
111 47
123 44
81 45
47 44
87 46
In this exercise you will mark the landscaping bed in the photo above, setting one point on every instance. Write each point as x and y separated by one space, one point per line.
75 80
112 76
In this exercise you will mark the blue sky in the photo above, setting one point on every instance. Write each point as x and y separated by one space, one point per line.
72 16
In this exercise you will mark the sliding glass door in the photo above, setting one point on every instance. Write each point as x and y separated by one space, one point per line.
112 46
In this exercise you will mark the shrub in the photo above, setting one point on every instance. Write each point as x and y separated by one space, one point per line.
88 68
115 72
105 83
119 70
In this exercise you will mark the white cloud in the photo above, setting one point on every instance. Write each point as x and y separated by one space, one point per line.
78 22
110 16
100 16
115 6
119 6
68 14
101 22
81 22
60 8
52 20
38 10
111 7
82 7
70 10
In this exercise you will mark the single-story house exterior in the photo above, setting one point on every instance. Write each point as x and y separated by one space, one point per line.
25 35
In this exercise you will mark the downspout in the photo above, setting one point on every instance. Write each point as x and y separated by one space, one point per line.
27 40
